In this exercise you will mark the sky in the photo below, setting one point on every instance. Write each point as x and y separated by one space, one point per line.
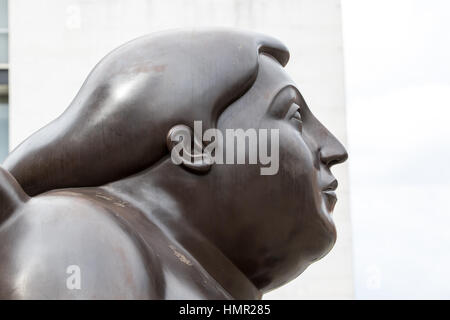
398 110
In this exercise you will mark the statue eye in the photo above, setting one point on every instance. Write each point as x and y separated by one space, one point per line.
297 116
294 115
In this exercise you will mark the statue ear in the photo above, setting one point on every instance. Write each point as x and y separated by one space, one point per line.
180 140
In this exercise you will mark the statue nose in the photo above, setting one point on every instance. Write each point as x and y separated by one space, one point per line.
333 152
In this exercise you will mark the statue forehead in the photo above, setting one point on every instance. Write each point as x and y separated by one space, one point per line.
272 73
271 79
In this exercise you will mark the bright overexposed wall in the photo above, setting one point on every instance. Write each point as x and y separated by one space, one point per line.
55 43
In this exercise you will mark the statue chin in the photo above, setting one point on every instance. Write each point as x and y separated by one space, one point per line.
188 166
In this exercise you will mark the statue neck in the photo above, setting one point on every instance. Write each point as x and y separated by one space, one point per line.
159 192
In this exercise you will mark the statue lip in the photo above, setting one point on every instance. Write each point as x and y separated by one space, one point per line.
330 195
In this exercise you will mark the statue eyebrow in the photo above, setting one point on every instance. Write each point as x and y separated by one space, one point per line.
280 109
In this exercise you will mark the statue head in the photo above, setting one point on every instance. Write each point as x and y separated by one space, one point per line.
285 218
272 226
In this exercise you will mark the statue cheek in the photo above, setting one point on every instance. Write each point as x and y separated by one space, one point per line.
296 159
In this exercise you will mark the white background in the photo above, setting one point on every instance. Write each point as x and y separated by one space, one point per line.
398 92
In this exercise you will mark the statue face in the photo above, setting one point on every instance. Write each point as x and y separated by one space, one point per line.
286 218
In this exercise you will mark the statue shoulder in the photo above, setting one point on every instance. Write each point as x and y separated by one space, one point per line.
63 246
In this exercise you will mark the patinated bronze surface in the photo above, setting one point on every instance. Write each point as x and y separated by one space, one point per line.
97 188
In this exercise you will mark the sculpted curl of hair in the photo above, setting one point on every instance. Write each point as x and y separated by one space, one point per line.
117 123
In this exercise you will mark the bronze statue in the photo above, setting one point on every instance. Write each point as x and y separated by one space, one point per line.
93 207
